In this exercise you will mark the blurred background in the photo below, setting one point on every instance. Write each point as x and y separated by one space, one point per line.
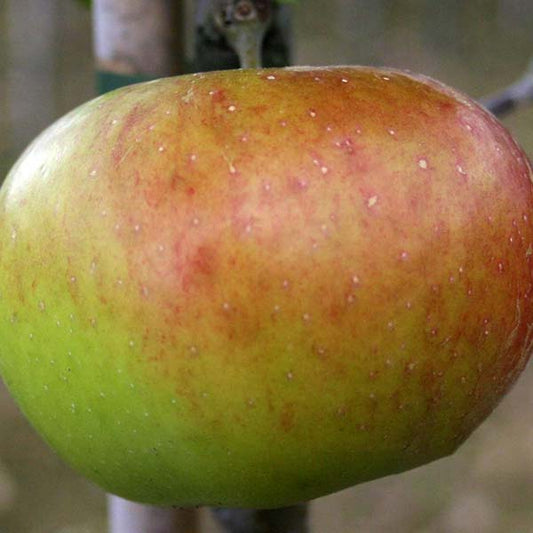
479 46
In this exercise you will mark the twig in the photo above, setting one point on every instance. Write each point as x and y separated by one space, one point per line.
512 97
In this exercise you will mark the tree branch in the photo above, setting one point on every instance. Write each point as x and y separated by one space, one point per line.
130 517
512 97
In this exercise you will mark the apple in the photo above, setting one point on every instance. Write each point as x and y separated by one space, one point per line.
252 288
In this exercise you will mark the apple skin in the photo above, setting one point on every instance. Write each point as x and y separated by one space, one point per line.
254 288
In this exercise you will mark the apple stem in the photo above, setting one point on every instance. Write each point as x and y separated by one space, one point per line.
130 517
243 23
245 33
285 520
515 95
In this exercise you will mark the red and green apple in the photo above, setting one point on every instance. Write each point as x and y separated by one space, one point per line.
253 288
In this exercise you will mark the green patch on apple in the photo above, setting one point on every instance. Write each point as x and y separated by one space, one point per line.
253 288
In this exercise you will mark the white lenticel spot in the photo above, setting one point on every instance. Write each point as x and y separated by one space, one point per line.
42 305
232 108
372 201
344 80
226 306
324 170
404 256
271 77
312 113
161 149
285 284
290 376
92 173
423 164
306 317
114 121
461 170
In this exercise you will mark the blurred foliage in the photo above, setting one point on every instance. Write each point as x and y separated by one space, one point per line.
86 3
